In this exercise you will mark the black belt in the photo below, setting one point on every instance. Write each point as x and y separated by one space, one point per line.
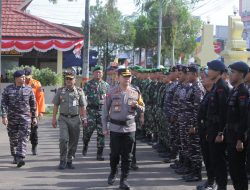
124 123
69 116
95 107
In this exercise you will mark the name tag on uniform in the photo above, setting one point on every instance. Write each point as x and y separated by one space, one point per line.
117 108
130 100
74 102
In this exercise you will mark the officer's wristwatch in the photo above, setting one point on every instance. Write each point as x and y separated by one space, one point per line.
84 119
220 133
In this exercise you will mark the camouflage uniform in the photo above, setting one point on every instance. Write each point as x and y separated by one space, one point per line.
193 100
182 122
162 120
145 95
174 110
168 109
19 106
95 91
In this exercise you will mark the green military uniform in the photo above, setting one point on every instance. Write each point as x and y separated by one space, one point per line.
95 91
69 121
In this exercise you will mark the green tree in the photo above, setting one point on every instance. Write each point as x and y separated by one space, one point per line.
110 30
45 76
179 27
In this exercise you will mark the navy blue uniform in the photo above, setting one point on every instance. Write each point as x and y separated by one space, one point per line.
19 106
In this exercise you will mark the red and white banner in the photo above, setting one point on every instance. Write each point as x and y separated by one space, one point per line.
41 45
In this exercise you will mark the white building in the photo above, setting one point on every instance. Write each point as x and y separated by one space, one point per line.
245 15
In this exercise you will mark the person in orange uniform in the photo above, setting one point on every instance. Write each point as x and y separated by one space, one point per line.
40 106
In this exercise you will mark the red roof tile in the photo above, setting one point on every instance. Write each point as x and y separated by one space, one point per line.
17 23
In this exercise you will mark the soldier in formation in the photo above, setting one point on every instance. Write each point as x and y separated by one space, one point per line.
201 119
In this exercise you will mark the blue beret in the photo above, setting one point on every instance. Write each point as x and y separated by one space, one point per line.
216 65
240 66
27 71
18 73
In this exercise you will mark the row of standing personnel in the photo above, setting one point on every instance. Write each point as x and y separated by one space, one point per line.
190 118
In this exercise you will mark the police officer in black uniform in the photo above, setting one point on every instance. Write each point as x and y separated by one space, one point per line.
216 122
202 128
237 106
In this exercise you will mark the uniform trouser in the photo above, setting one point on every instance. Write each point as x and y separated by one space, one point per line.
206 158
184 136
174 138
94 123
237 167
248 155
164 131
218 160
134 153
18 136
194 152
121 144
34 134
69 135
148 120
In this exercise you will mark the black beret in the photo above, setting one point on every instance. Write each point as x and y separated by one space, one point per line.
193 68
27 71
173 69
184 69
18 73
216 65
240 66
179 67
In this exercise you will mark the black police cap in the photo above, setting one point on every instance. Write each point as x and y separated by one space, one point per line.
18 73
216 65
240 66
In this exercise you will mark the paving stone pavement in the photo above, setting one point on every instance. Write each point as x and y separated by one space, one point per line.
40 172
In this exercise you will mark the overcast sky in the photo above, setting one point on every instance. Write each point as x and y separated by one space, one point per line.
72 13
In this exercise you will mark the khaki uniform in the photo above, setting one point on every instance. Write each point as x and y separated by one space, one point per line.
69 121
117 107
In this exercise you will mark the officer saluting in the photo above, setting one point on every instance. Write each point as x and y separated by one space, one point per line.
237 107
121 104
72 102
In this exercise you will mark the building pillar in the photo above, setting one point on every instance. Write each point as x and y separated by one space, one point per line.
59 66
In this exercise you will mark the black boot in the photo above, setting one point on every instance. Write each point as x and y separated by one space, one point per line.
34 149
112 176
14 160
85 150
124 184
70 165
194 176
134 166
20 162
62 165
99 156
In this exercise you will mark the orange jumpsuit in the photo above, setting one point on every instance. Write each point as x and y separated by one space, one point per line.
40 107
39 94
